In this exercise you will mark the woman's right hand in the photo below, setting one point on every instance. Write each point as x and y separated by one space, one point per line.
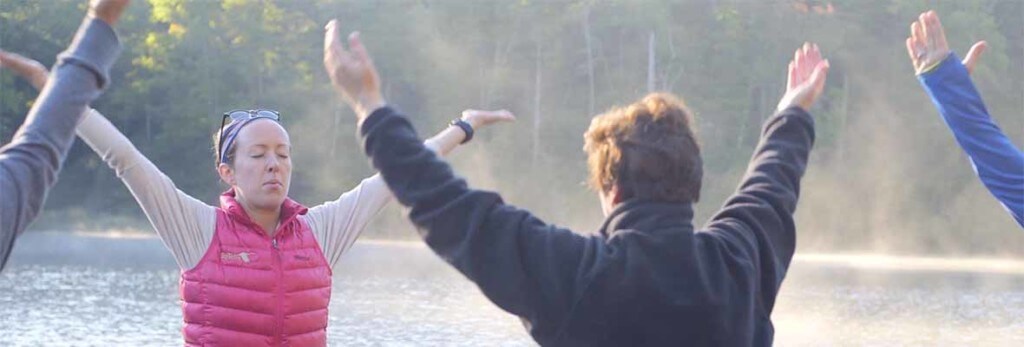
31 70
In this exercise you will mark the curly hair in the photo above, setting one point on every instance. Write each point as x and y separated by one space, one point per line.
648 150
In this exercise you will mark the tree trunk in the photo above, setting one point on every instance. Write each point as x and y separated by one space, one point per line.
334 139
590 59
650 64
149 127
844 111
536 106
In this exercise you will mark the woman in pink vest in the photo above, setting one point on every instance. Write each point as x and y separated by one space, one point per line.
256 271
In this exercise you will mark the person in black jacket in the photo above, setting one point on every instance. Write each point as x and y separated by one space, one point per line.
649 277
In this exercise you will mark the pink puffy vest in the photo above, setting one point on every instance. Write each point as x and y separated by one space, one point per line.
253 290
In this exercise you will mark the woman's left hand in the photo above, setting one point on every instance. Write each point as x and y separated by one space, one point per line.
481 118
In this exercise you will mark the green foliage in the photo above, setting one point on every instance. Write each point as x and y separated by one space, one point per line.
885 174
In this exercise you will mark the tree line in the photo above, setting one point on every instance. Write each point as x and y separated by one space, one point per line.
885 174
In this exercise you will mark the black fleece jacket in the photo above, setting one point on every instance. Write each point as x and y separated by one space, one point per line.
648 278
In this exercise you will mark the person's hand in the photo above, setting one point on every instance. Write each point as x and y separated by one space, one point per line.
927 45
973 55
351 71
31 70
108 10
481 118
806 78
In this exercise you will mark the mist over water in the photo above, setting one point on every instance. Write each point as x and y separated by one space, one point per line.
65 289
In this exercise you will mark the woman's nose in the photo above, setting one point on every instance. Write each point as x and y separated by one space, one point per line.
273 164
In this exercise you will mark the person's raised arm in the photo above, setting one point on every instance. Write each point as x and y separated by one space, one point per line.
29 164
523 265
757 220
998 163
183 223
337 224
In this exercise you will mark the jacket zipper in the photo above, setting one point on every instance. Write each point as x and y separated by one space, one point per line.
278 328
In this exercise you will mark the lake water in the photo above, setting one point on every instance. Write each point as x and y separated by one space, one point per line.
66 289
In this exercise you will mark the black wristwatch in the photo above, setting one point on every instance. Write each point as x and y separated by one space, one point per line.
468 129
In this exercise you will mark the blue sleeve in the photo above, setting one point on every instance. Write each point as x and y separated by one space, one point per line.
999 164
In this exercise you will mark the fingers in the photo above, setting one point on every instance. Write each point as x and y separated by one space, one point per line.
486 116
813 57
814 53
332 41
329 35
20 64
494 113
31 70
973 55
8 59
911 51
507 116
798 63
933 28
917 33
805 59
332 36
791 77
355 44
925 27
108 10
819 76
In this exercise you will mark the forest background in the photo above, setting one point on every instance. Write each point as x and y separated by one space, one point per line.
885 176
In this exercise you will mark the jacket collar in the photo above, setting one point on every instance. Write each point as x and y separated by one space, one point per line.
290 209
646 216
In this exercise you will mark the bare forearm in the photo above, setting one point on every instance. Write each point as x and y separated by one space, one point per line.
445 141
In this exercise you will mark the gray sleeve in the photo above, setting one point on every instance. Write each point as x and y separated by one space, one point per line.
29 164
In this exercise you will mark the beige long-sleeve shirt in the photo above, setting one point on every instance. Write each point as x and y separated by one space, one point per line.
186 225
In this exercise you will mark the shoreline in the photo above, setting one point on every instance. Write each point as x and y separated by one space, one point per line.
131 244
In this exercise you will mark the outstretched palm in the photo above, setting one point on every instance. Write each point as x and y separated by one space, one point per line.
927 44
351 70
806 78
481 118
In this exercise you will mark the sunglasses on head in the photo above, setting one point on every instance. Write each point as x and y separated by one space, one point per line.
240 116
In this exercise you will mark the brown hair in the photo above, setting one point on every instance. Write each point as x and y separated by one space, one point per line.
648 150
216 145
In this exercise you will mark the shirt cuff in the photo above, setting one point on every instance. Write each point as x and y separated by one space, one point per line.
95 47
374 118
944 64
